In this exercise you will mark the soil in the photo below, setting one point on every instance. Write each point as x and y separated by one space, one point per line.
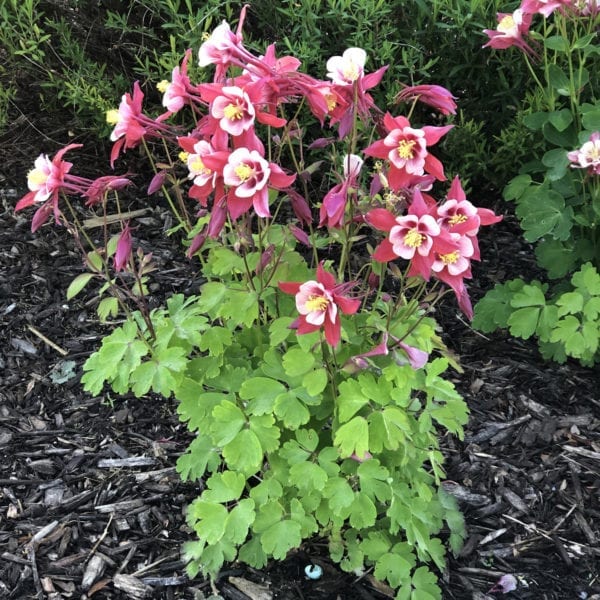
91 505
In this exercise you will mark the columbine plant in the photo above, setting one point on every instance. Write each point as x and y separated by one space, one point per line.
309 366
557 195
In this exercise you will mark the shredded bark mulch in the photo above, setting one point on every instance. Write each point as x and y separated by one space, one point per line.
91 505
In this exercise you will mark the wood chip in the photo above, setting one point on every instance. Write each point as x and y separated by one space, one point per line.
132 586
253 590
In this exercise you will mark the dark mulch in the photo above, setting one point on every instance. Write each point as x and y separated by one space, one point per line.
90 503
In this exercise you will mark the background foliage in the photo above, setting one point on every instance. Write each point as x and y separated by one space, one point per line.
84 53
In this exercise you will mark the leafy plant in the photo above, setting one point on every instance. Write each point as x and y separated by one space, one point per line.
305 365
557 193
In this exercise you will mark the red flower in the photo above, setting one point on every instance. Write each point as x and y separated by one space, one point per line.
433 95
318 303
406 150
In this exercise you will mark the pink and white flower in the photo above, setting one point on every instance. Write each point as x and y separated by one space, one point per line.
234 110
511 31
348 68
319 304
406 149
588 156
249 176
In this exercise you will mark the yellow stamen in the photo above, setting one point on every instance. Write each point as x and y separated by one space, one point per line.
162 86
351 72
457 219
506 24
244 172
413 238
233 112
37 177
112 116
183 156
405 149
316 303
450 259
331 102
197 166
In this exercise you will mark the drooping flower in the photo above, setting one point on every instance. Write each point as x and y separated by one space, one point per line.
46 181
123 251
433 95
131 125
334 203
179 91
99 187
543 7
588 156
319 304
350 85
511 31
406 150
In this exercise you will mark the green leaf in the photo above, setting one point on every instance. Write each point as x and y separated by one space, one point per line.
212 295
78 284
308 439
529 295
308 475
587 279
350 399
534 121
568 332
291 410
215 339
524 321
561 119
244 452
208 520
591 310
240 307
239 520
494 309
395 566
425 584
262 392
315 381
591 118
200 457
557 43
558 80
375 480
279 330
353 437
557 162
584 41
544 212
280 538
228 421
339 494
555 256
223 261
376 544
389 427
362 511
297 362
224 487
517 186
569 303
253 554
108 307
266 431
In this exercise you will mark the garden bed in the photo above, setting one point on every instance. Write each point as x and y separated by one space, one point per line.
91 502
